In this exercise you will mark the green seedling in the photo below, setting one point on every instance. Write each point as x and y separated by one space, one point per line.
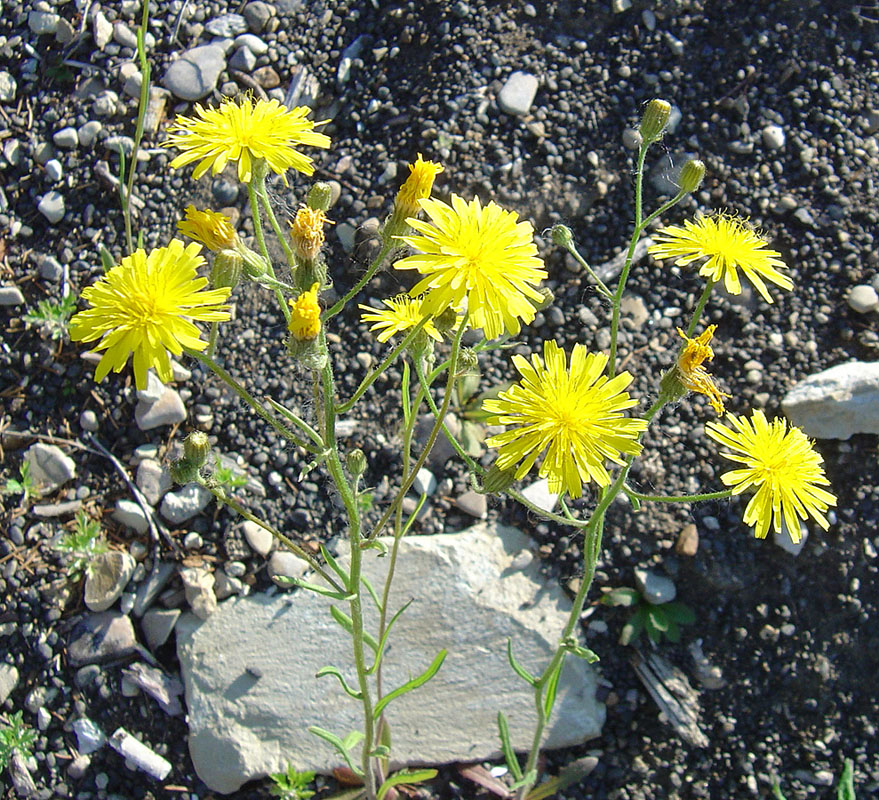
15 736
24 485
845 789
227 477
51 318
84 542
658 621
291 785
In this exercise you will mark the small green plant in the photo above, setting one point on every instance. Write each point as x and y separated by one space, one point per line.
84 542
664 619
845 789
51 318
291 785
24 486
15 736
226 476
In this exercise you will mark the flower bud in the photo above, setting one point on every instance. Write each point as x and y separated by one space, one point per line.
654 120
498 480
227 269
307 233
196 448
254 264
446 320
562 236
468 361
319 196
356 462
692 174
547 299
183 471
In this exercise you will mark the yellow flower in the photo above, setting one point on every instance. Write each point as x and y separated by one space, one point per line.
416 187
783 468
246 131
213 229
402 314
307 232
305 315
481 255
728 243
573 415
692 374
144 306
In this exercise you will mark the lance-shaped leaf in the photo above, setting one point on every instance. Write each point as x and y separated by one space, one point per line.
343 747
345 621
407 776
517 667
411 684
335 671
507 747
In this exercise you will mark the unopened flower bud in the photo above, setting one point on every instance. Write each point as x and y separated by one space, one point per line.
196 448
254 264
227 269
562 236
654 120
446 320
183 471
319 197
692 174
356 462
468 361
547 299
498 480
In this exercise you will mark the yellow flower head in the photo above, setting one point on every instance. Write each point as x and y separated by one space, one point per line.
305 315
307 232
574 415
692 374
213 229
402 314
479 255
729 244
145 307
245 131
780 464
416 187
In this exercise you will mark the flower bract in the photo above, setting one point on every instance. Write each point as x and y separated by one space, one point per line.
245 131
213 229
477 254
402 314
144 307
573 415
780 466
727 244
692 373
304 322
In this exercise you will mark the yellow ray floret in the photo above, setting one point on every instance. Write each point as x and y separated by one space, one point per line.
402 314
727 244
573 415
693 374
780 466
477 254
145 306
417 186
245 131
213 229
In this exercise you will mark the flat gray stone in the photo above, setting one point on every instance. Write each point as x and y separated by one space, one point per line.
50 467
11 296
157 625
656 589
101 637
167 410
131 515
149 589
107 576
250 703
153 480
836 403
517 94
184 504
260 540
195 73
8 681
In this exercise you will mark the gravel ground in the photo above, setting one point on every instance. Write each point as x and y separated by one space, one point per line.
778 99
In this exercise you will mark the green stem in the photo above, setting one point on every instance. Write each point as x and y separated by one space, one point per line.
700 306
334 466
434 432
370 379
682 498
212 341
295 548
273 221
572 249
253 196
365 278
663 208
624 275
221 373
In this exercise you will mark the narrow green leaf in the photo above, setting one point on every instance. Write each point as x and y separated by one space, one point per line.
633 628
107 262
139 243
680 613
408 776
571 774
369 588
585 653
283 580
404 394
776 790
353 739
414 515
345 621
517 667
846 788
341 747
622 596
334 565
375 544
552 686
411 684
384 640
507 746
334 671
380 751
